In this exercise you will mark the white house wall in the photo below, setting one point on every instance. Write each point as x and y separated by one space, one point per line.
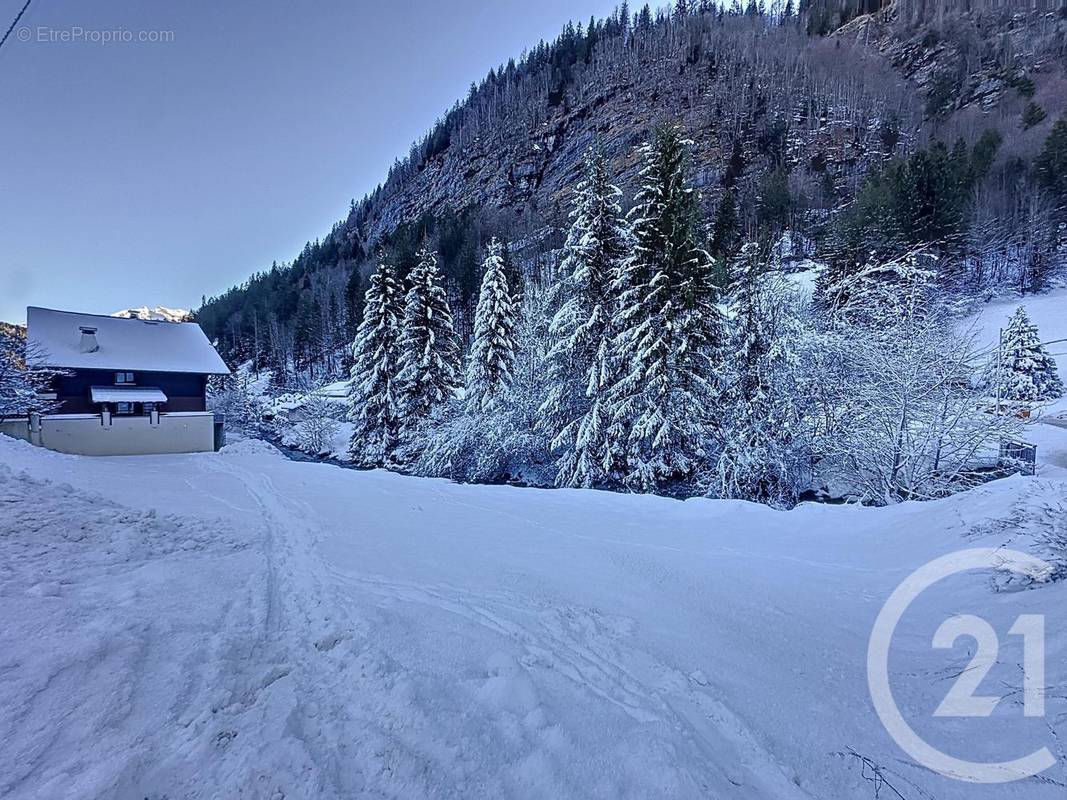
85 434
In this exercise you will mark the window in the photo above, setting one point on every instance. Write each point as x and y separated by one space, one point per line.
123 377
123 408
148 408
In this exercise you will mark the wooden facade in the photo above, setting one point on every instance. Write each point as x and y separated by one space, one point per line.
185 391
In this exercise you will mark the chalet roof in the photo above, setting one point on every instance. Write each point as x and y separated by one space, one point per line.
55 339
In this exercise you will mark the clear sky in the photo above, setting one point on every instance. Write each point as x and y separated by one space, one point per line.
153 172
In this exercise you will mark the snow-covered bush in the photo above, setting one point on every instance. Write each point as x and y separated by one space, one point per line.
909 422
766 452
236 397
315 433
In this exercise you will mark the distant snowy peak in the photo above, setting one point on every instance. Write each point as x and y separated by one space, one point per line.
161 313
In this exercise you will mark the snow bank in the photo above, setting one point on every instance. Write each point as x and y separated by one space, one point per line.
250 447
1047 311
120 626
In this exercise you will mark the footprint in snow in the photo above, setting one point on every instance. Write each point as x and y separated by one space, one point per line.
508 686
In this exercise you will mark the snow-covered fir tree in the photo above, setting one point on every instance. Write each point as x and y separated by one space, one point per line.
1026 371
501 440
662 406
491 361
17 391
374 393
575 411
429 348
764 453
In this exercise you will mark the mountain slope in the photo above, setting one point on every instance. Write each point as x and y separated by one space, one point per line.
160 313
786 123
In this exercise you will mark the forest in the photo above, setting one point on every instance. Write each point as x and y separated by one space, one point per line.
621 313
794 132
646 363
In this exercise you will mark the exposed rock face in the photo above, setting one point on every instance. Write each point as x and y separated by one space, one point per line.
769 91
828 99
962 58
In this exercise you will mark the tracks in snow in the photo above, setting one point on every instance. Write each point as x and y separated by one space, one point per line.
361 722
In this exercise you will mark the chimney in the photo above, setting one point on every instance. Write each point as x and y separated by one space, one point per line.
88 340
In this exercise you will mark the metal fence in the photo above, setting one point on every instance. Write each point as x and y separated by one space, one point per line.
1021 456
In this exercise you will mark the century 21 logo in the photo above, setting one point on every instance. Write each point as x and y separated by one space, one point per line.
963 699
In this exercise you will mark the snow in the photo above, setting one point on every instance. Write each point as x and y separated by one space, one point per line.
126 394
161 313
805 279
124 344
1047 311
237 624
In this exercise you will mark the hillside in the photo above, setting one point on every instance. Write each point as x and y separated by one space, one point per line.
788 115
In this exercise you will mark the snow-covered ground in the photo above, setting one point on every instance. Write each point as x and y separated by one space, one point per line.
1049 313
241 625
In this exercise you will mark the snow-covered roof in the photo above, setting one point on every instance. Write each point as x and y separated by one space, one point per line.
55 339
127 394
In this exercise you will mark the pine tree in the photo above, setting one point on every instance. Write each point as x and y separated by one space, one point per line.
513 275
1027 371
574 412
725 230
662 405
373 394
1051 164
429 349
492 356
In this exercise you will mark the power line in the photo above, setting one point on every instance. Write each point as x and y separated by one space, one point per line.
16 22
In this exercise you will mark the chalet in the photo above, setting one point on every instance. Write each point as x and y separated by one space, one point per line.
122 386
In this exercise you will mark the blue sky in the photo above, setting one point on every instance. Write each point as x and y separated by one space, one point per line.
158 171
